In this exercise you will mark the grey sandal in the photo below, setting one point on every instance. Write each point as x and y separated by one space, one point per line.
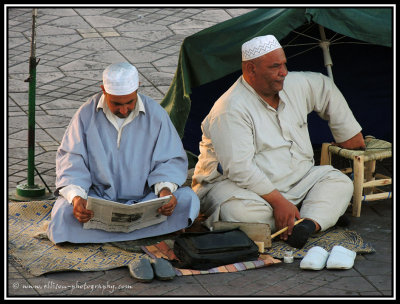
141 270
163 269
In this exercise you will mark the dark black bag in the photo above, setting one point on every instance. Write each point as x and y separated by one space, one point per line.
205 250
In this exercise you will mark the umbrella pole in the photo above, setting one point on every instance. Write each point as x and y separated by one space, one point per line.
324 44
30 190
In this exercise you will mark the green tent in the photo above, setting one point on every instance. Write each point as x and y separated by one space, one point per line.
215 52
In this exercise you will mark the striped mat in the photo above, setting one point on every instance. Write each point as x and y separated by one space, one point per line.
326 239
164 250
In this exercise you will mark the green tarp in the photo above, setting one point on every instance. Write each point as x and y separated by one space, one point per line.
215 52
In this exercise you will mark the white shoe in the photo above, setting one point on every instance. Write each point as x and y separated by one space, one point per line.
315 259
341 258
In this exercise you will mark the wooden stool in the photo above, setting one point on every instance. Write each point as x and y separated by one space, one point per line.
365 178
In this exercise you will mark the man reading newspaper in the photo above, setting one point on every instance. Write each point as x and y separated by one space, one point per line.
120 146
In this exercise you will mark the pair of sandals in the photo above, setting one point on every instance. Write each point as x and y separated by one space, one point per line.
339 258
144 270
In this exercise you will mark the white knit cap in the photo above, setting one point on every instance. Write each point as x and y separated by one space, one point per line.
120 79
259 46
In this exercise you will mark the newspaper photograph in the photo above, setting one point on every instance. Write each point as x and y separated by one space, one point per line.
117 217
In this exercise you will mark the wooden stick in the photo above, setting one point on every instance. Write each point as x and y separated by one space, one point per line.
284 229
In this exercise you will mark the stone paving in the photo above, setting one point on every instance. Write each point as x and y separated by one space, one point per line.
74 45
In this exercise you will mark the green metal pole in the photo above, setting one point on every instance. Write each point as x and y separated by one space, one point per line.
31 120
30 189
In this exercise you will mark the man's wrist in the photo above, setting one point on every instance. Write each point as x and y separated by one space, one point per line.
77 197
164 191
274 198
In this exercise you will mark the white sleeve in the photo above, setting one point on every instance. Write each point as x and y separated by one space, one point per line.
70 191
170 186
331 105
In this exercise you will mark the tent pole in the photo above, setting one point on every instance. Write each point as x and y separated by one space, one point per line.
324 44
30 190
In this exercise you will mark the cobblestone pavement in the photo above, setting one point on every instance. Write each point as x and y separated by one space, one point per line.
74 45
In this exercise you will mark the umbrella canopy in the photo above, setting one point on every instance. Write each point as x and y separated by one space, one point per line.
210 60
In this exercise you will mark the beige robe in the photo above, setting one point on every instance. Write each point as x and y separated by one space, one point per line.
261 149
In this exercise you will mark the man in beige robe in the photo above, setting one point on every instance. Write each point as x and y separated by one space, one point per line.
256 160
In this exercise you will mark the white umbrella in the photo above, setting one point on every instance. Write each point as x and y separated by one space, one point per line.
322 41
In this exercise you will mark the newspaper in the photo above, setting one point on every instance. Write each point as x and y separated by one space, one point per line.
118 217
